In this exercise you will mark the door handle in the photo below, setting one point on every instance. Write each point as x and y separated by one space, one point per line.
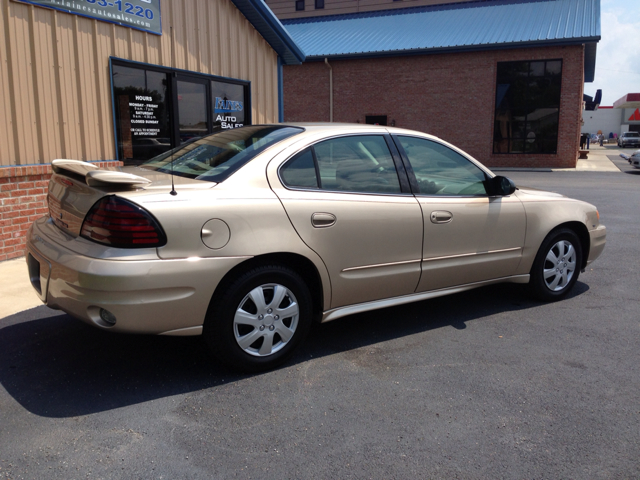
323 220
441 216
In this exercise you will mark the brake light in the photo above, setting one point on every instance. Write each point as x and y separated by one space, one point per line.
119 223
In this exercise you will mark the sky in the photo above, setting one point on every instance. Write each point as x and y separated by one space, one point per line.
618 55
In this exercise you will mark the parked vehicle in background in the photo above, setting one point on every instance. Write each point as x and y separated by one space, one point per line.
629 139
248 235
633 159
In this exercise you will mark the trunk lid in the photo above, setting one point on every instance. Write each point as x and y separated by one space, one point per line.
76 186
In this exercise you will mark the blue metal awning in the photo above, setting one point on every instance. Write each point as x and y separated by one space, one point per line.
268 25
478 25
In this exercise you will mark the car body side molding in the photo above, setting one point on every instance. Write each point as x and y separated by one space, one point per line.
340 312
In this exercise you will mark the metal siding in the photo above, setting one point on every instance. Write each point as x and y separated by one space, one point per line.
24 108
68 86
7 130
103 47
213 37
225 53
192 45
55 89
205 45
45 72
488 24
236 46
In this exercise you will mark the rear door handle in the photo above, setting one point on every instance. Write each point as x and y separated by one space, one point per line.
323 220
441 216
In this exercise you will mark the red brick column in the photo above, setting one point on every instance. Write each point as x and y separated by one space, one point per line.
23 199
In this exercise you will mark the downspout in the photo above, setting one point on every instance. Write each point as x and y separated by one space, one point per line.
280 92
326 61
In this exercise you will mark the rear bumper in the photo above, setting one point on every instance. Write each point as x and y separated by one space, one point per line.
598 239
152 296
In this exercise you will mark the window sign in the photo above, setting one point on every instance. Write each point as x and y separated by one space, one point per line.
142 112
228 104
139 14
158 108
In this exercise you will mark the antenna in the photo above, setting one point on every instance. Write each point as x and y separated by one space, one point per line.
173 187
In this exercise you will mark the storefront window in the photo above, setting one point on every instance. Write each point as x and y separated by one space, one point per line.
527 107
192 110
142 116
158 109
228 104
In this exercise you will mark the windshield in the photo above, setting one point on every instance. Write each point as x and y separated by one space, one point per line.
632 134
215 157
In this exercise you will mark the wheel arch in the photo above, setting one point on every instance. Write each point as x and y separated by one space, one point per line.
582 232
296 262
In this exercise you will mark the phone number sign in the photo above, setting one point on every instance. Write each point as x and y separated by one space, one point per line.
139 14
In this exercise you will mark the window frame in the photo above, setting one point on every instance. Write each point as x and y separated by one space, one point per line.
403 180
526 120
413 180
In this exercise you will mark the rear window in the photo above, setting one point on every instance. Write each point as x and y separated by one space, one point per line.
215 157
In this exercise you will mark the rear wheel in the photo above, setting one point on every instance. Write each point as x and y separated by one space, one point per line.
557 265
260 318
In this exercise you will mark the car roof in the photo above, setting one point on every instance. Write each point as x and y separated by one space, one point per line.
353 127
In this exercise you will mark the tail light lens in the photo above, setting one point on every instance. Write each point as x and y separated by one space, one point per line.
119 223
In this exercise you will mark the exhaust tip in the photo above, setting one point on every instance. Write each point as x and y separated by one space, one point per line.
107 317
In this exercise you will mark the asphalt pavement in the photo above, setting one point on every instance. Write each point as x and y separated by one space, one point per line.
482 384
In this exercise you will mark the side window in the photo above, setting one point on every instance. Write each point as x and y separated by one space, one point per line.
300 171
359 163
442 171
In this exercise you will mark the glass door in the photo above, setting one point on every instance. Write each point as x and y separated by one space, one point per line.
193 112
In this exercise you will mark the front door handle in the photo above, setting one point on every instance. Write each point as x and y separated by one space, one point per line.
323 220
441 216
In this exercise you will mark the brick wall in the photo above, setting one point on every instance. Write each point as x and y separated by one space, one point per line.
23 199
451 96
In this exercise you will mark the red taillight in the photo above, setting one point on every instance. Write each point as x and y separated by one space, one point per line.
119 223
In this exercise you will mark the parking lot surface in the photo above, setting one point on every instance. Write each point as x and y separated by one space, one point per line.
483 384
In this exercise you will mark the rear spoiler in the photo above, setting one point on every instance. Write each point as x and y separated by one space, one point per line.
94 177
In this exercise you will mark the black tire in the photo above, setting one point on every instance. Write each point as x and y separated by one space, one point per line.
234 320
557 266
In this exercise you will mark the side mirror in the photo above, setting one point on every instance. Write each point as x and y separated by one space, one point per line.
499 186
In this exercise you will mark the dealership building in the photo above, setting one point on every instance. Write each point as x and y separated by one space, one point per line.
119 82
501 79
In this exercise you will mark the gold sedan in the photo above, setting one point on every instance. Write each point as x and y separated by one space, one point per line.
246 236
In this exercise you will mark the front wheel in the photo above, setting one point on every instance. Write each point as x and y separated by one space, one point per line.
557 265
258 321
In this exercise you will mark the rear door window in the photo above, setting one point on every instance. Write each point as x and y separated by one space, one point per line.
356 163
